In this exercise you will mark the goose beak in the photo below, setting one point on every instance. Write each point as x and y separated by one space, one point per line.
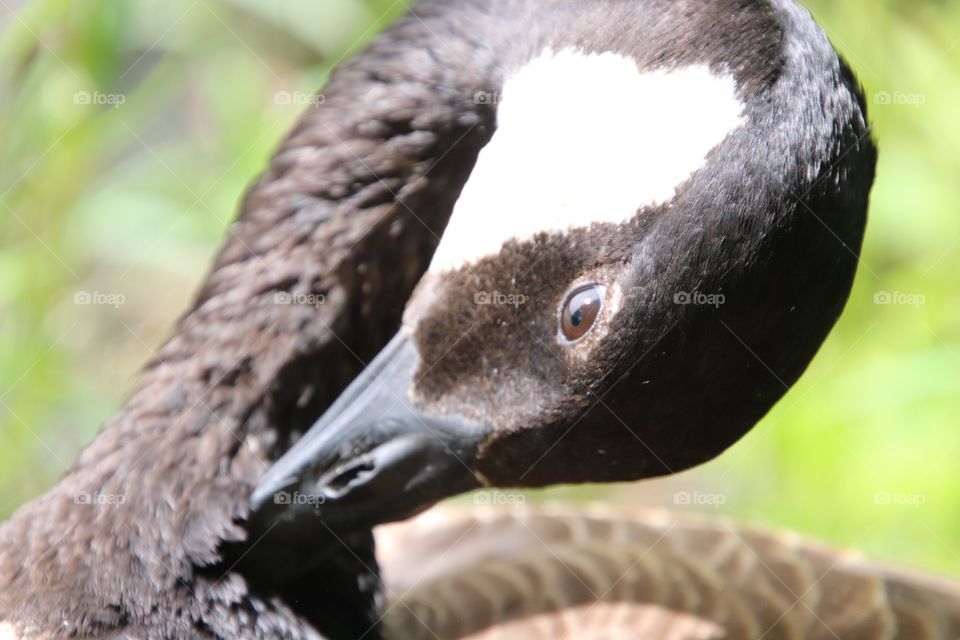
373 457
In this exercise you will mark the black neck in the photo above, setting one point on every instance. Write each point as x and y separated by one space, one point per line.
342 224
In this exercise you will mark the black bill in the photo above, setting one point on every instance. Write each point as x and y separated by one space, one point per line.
373 457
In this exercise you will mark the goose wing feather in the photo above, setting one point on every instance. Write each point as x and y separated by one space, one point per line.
547 572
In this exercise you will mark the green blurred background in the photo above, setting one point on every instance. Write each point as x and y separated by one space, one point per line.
128 131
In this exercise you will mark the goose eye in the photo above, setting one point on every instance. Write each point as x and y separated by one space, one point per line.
580 311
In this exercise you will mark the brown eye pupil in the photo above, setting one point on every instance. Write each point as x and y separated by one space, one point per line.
580 311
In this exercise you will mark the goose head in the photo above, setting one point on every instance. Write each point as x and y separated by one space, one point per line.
650 249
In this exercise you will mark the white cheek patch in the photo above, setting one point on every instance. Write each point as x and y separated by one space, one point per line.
586 138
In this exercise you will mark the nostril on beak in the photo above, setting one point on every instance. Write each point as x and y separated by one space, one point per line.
381 470
404 466
345 477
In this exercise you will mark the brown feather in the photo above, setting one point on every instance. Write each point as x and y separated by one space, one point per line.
549 572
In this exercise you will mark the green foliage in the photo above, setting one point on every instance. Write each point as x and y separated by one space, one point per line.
128 132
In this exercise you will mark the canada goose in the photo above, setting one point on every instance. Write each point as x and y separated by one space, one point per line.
637 159
668 215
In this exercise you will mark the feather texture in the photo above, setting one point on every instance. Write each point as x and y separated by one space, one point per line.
549 572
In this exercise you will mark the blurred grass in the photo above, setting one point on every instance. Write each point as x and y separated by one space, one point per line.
131 200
